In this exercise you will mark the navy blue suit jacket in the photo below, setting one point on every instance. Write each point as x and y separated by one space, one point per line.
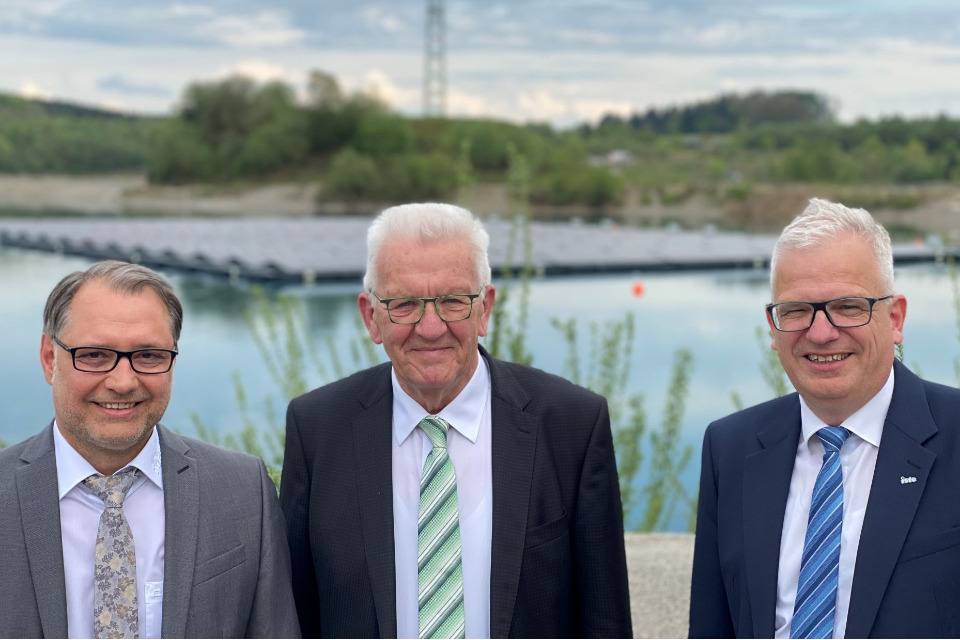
907 575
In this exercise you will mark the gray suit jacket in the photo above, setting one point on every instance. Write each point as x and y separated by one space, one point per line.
226 564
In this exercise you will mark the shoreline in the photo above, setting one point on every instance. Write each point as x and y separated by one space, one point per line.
770 207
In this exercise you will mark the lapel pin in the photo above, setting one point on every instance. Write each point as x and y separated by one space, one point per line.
907 479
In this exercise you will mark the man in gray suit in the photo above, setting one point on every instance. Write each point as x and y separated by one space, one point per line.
112 526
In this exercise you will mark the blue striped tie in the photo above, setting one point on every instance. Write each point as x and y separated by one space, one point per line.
817 588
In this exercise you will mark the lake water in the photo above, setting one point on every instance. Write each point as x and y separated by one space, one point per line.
713 314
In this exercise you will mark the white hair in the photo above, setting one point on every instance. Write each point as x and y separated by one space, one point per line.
426 222
823 220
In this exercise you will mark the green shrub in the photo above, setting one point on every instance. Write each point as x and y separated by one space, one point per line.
278 143
583 185
178 155
352 176
381 135
419 177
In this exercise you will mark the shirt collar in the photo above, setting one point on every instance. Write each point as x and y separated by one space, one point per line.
73 468
463 413
866 423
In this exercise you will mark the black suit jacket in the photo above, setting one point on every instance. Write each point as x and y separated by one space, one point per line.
558 563
907 575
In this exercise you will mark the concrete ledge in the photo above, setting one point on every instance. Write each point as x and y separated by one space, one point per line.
659 565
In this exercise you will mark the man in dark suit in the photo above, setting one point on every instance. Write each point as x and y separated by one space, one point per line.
529 537
113 526
832 512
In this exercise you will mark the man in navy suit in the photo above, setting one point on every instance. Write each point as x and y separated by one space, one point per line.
890 567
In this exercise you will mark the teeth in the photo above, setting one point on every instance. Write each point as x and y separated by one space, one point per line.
118 405
834 358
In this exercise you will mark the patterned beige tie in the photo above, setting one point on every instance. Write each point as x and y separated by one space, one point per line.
115 561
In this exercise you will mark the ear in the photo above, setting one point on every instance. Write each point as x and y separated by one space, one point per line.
898 314
48 357
367 310
487 300
773 330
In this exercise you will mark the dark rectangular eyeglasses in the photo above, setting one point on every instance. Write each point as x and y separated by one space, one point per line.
104 360
843 313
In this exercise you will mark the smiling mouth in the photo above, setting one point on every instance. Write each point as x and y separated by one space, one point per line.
117 405
832 358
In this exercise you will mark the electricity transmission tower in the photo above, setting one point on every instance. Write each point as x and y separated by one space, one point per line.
435 62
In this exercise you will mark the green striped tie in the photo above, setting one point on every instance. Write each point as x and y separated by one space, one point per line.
439 569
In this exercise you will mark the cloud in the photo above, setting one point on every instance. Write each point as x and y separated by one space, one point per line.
31 14
259 71
462 104
117 83
541 106
593 110
375 18
381 86
29 89
191 10
263 29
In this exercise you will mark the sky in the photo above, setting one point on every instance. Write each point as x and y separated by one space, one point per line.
561 62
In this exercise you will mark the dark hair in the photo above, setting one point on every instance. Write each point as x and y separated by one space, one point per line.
123 277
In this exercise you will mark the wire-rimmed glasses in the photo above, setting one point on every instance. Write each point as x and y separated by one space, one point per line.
451 308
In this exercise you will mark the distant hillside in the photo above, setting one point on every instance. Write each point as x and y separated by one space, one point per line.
15 104
731 112
44 136
724 151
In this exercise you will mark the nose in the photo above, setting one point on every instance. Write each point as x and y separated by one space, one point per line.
123 379
431 325
822 330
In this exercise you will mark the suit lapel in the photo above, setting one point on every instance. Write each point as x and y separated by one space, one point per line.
40 514
181 498
372 431
892 504
514 438
766 485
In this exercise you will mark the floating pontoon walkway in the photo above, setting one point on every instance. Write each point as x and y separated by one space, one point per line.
333 248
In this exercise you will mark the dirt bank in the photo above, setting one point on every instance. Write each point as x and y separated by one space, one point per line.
768 208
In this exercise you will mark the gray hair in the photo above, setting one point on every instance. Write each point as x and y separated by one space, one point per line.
426 222
823 220
121 277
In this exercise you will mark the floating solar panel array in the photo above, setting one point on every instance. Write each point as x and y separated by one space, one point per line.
334 248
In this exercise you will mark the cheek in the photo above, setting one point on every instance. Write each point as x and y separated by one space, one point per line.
392 335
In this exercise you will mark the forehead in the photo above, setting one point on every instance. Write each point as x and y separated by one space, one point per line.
101 315
837 267
409 266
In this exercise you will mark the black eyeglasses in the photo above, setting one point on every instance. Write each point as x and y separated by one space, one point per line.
450 308
104 360
843 313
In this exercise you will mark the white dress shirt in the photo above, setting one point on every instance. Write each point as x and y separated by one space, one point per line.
858 458
80 510
468 444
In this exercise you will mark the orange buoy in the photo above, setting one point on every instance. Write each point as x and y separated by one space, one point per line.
638 289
